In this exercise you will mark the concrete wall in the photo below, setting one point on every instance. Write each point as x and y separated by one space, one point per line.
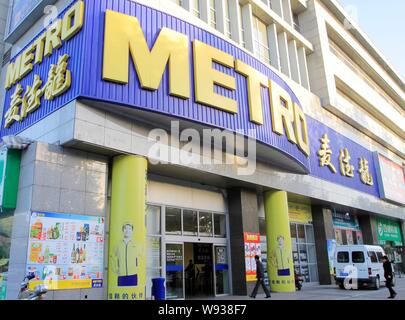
56 179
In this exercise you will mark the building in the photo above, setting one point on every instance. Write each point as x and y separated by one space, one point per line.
125 180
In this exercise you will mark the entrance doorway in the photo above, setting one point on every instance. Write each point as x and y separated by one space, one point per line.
198 270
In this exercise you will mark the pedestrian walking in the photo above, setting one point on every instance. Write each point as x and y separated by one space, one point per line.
388 276
260 279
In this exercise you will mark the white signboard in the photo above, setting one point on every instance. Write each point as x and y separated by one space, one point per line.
391 180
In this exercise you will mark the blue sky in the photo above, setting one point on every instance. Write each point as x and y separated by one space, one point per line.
384 23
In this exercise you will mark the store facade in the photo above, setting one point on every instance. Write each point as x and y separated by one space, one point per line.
117 98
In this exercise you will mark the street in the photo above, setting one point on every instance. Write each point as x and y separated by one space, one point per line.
331 292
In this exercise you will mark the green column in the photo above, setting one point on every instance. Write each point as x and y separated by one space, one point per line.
127 249
280 265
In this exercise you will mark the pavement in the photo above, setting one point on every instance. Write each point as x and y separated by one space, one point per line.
330 292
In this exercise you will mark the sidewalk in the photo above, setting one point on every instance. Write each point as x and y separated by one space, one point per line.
330 292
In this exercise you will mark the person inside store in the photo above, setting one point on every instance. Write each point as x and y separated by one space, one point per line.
191 275
388 276
260 279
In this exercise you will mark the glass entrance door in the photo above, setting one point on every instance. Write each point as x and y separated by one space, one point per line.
174 271
221 270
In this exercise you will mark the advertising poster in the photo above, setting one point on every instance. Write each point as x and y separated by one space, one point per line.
331 254
128 240
5 243
66 251
252 248
300 213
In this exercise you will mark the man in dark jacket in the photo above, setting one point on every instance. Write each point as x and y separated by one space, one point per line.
388 276
260 279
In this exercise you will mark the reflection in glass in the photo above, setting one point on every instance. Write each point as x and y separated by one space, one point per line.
173 221
301 233
174 271
152 220
220 225
190 223
205 223
221 270
310 234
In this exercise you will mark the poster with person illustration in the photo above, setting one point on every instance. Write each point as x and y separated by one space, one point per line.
252 248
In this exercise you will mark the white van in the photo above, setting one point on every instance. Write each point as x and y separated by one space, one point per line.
356 265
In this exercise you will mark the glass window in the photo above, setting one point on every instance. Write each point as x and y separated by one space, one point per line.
293 230
309 230
343 257
311 253
153 220
301 233
357 257
261 43
173 221
313 271
242 27
174 271
373 256
205 219
196 8
220 225
190 223
213 14
379 256
227 19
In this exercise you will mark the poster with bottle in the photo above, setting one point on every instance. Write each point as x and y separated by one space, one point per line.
66 251
252 248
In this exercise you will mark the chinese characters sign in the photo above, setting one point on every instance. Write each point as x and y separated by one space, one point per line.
252 248
346 169
66 251
21 105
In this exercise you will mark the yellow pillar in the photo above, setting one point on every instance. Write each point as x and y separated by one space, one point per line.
127 245
280 265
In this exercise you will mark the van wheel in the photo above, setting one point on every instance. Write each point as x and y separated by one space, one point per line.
377 283
341 286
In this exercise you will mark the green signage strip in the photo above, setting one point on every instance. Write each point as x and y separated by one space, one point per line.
389 230
10 161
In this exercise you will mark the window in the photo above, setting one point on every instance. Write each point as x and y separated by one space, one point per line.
296 22
213 14
152 220
357 257
190 223
178 2
379 256
242 27
261 43
373 256
196 8
153 246
227 20
220 225
173 221
343 257
205 219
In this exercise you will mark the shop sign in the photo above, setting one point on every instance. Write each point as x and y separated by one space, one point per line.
66 251
300 213
344 220
252 248
391 179
9 177
389 230
128 54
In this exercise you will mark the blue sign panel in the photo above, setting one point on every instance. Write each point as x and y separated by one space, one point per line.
83 55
